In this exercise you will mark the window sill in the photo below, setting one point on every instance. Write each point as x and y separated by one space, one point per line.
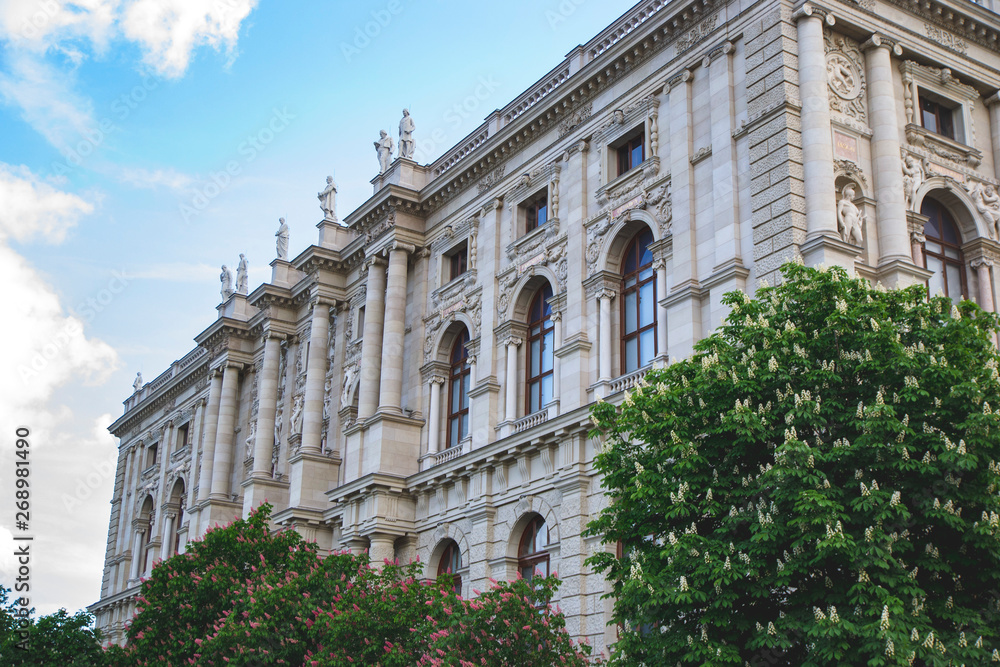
943 147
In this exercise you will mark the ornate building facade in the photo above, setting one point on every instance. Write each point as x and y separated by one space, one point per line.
418 382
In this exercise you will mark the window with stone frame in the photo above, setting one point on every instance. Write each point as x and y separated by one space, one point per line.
182 437
943 252
451 563
535 211
532 551
458 391
151 455
638 303
629 151
457 261
541 339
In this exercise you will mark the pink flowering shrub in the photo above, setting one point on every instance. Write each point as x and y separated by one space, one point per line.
243 596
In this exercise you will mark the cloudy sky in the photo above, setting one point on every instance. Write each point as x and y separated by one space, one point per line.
118 122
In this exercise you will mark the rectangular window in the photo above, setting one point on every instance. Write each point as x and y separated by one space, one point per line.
631 154
360 330
937 118
536 212
151 453
458 262
182 437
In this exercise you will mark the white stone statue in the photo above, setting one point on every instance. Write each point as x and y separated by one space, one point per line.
137 385
345 393
383 147
282 242
328 200
295 427
913 176
277 426
327 398
241 275
251 439
406 128
988 203
849 217
226 278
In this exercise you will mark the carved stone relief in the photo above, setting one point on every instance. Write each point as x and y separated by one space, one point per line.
845 70
656 200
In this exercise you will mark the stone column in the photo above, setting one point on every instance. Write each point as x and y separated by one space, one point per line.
166 550
510 407
434 419
817 133
893 231
604 298
223 461
371 344
556 359
136 555
660 267
993 103
982 267
268 406
196 424
383 547
391 388
211 429
312 404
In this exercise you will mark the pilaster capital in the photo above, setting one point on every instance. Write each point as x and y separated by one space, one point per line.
492 205
981 262
877 41
583 145
681 77
993 100
556 316
723 49
917 237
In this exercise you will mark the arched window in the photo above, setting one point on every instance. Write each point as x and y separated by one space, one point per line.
458 391
532 556
451 563
943 252
540 347
638 304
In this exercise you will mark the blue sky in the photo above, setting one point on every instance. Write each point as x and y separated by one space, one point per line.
118 120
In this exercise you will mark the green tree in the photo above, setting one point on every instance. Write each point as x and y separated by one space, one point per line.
57 639
817 485
246 596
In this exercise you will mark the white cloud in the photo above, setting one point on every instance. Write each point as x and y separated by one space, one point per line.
46 98
32 207
155 178
169 30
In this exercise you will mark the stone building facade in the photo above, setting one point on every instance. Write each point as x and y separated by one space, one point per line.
418 382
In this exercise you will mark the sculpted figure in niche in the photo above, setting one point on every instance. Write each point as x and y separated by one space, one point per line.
295 428
328 199
913 176
277 426
988 203
326 398
226 278
241 275
282 242
346 391
406 128
251 439
383 148
849 217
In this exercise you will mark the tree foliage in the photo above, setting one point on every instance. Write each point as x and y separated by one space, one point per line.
818 485
245 596
55 639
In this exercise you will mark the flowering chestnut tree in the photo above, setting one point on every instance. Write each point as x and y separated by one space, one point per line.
818 485
244 596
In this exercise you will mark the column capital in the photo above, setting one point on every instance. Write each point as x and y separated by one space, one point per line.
810 10
993 99
606 293
271 334
374 260
405 247
436 379
981 262
877 41
917 237
512 340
